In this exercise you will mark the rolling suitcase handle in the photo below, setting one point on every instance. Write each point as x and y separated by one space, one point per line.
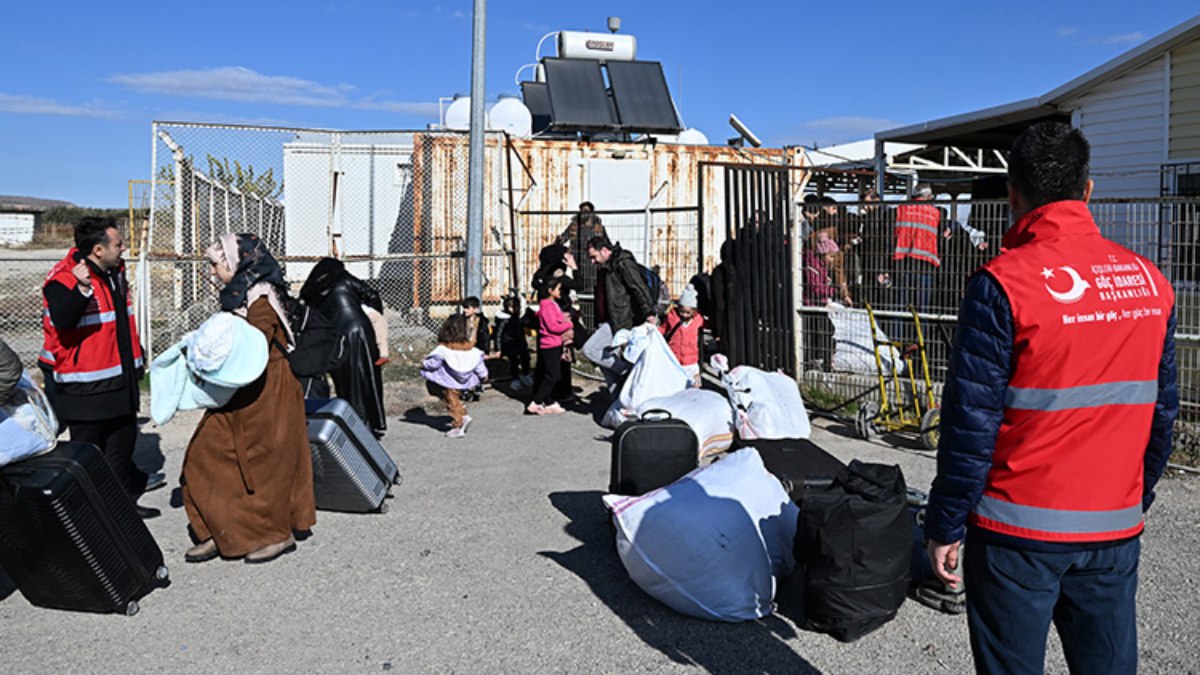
656 415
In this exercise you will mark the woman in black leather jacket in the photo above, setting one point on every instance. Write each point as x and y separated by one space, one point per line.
340 296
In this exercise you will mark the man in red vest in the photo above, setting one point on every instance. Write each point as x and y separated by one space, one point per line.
91 356
1055 425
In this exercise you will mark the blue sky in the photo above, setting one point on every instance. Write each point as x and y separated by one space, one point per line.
80 82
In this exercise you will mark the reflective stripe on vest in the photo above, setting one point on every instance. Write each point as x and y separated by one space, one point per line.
1090 396
1058 521
94 319
93 375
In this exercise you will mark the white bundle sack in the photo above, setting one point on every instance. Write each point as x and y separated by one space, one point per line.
27 423
655 373
714 543
853 350
766 405
706 412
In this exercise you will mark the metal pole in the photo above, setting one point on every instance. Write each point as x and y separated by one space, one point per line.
475 160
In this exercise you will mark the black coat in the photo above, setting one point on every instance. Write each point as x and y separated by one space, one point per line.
627 301
339 296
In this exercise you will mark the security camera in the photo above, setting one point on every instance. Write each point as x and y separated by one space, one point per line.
745 132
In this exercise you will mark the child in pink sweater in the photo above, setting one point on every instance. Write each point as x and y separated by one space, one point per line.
554 328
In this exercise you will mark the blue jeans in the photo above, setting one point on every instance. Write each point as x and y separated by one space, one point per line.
1013 595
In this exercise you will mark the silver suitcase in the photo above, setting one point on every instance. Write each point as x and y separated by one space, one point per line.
351 470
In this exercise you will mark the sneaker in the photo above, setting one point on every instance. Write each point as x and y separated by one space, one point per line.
534 409
466 423
552 409
456 432
526 380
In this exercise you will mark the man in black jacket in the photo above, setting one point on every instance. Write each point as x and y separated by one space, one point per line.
92 386
622 302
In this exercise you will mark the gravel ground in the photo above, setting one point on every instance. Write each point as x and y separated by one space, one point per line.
496 557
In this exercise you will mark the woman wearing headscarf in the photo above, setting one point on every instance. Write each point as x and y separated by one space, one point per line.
340 296
247 476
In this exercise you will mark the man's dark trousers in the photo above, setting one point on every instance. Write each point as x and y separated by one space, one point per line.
116 438
1014 594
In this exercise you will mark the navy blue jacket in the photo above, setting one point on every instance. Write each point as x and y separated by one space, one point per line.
973 407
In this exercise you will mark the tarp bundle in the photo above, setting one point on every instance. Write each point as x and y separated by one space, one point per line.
655 373
713 544
854 351
766 405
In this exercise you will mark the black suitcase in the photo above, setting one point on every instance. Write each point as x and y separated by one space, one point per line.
651 452
351 470
70 537
798 463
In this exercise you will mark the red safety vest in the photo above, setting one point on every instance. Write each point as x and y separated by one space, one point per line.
1089 320
917 233
87 353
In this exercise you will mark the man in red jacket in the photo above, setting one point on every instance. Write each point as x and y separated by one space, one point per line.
1055 425
91 356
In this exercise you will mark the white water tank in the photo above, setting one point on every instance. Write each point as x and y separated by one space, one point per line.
599 46
510 115
685 137
458 114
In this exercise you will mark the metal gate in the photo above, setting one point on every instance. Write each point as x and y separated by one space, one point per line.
760 312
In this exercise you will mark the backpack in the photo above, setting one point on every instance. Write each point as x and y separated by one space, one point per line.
318 349
660 295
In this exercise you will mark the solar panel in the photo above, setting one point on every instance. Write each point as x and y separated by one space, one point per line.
578 99
643 102
537 99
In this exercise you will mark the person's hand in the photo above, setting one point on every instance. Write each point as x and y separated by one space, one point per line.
944 558
83 276
569 259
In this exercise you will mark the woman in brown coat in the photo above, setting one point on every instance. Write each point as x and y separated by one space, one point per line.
247 476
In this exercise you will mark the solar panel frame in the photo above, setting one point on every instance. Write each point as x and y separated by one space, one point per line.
641 96
578 96
537 99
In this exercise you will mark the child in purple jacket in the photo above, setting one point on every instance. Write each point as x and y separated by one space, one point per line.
453 366
554 330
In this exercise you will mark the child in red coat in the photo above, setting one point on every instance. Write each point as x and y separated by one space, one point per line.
682 332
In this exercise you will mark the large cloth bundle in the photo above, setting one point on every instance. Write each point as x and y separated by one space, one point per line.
714 543
766 405
854 351
655 373
28 426
706 412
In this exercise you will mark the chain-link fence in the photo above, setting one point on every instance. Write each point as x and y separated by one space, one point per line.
849 259
391 204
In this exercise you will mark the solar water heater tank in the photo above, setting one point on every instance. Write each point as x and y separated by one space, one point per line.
598 46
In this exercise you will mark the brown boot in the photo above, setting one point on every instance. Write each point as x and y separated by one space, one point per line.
204 551
271 552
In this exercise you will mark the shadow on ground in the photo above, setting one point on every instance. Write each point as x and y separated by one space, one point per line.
748 647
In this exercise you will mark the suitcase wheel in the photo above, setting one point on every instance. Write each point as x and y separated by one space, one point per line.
383 507
162 573
132 608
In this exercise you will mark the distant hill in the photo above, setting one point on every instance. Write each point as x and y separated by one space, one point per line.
35 203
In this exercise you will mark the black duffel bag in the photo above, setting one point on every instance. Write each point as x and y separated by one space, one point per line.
853 549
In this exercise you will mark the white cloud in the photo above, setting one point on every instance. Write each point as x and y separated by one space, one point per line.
421 109
459 14
1123 38
1067 31
235 83
32 105
832 130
